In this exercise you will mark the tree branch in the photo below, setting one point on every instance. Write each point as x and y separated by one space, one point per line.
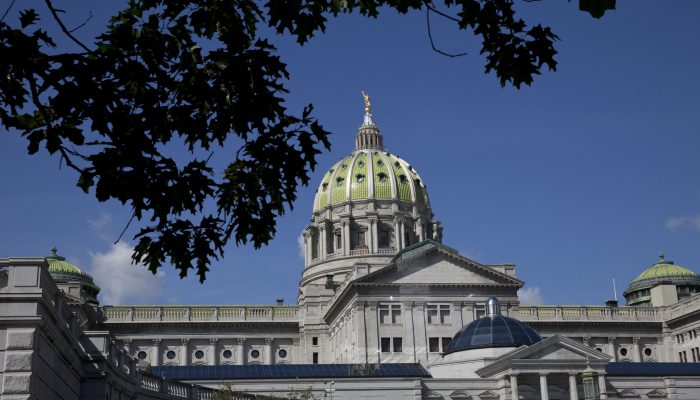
428 9
7 11
83 24
65 30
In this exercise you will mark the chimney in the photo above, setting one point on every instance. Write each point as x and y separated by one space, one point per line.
280 301
611 303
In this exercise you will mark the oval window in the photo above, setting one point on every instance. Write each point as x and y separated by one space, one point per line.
199 354
170 354
227 354
142 355
254 354
282 353
647 352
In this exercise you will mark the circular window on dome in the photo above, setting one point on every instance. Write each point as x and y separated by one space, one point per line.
199 354
339 180
360 178
324 187
343 166
360 163
397 164
254 354
623 351
170 354
142 355
282 353
227 354
382 177
380 163
402 178
647 352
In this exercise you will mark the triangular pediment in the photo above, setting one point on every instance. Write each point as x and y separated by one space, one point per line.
437 264
548 353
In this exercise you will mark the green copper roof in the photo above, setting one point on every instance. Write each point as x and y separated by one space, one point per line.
59 264
664 269
370 174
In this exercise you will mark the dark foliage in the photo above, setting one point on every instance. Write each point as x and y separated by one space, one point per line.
114 110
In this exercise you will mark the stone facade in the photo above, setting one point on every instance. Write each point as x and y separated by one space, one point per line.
377 287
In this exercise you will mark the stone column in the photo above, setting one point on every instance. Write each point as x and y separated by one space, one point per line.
611 348
307 249
419 229
467 313
409 340
322 242
421 341
372 333
544 393
456 316
240 352
361 355
213 354
601 386
573 390
402 226
155 353
514 387
373 235
267 353
296 347
184 351
346 237
127 346
397 234
636 355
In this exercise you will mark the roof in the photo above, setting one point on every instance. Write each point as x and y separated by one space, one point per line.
289 371
493 330
652 369
663 270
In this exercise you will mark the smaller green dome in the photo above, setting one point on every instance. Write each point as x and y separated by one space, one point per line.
664 269
58 264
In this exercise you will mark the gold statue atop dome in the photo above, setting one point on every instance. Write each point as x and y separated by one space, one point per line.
367 104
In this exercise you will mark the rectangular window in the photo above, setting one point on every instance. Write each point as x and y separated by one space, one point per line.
434 345
480 312
439 314
445 342
390 313
386 344
384 239
338 241
315 358
314 341
360 239
398 345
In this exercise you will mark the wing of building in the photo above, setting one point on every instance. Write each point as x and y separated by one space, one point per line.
384 310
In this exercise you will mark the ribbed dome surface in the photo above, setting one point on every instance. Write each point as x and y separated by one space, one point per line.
370 174
663 270
493 330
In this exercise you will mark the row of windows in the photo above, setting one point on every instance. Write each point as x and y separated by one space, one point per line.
199 354
438 314
692 334
395 344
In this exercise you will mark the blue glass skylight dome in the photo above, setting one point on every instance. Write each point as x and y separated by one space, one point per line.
493 330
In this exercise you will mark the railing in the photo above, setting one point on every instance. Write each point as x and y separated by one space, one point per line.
358 252
587 313
120 314
352 253
176 389
388 250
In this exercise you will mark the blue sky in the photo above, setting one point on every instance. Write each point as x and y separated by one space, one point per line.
582 177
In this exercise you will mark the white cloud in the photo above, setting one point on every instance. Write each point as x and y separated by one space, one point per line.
98 226
300 242
120 281
530 296
675 224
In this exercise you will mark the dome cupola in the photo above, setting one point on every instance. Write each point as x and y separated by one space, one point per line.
638 292
368 206
493 330
67 275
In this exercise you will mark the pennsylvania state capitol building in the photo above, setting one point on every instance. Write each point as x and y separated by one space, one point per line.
385 310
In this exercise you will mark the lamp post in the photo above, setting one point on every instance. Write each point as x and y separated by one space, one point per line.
590 383
330 391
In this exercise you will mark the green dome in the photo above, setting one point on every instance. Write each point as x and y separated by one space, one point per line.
370 174
638 292
64 272
664 269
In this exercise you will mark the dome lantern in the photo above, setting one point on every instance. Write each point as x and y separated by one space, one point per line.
368 136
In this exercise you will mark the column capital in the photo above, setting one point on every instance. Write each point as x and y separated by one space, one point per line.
213 340
156 342
457 306
407 306
611 339
126 342
268 341
587 340
241 340
544 373
636 339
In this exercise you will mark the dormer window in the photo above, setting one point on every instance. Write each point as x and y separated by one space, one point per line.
382 177
324 187
339 181
380 163
360 178
343 166
403 179
360 163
